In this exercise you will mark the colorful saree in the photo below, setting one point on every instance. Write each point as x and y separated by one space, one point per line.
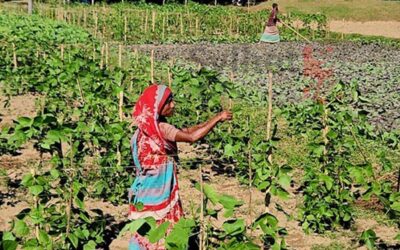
156 185
271 32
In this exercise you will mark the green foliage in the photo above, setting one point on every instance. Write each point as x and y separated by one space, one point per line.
176 23
368 238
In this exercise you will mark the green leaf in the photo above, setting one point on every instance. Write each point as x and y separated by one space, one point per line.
80 203
73 239
54 173
284 181
228 201
25 121
395 206
159 232
44 238
368 237
20 228
27 180
132 227
9 245
36 190
234 227
209 192
229 150
8 236
178 238
327 180
91 245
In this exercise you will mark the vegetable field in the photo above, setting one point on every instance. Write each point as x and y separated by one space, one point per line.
311 159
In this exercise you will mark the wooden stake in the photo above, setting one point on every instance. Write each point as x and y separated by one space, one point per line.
181 17
197 27
125 28
201 240
325 130
169 78
163 28
80 90
136 55
101 57
152 66
145 23
153 21
230 109
84 18
230 25
62 51
14 56
250 182
96 21
107 50
269 121
120 55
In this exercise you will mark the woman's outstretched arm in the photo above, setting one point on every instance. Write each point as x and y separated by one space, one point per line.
196 133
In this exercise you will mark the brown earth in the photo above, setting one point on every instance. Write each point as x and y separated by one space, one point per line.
389 29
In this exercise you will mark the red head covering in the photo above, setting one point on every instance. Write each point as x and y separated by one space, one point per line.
151 144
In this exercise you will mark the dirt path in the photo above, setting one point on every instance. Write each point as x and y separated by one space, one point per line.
389 29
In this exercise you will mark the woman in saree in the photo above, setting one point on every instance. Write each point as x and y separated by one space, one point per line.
271 32
155 192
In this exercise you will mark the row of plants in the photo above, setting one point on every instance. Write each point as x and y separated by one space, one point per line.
78 128
341 170
174 23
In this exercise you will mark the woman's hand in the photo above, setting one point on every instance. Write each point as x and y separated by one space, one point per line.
225 116
195 133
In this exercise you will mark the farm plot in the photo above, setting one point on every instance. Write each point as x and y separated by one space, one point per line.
321 149
375 67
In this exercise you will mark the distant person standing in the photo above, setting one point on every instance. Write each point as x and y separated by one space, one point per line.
271 32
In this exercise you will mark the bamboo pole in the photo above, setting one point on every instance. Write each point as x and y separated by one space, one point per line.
152 66
231 25
14 56
202 238
36 202
169 78
325 130
181 21
250 182
197 27
84 18
125 28
121 94
69 204
269 121
62 51
145 23
107 51
296 31
153 21
230 109
80 90
102 57
163 29
96 23
94 52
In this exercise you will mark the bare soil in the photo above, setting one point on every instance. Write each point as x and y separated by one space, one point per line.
390 29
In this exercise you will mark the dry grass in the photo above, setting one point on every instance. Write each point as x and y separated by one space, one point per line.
355 10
